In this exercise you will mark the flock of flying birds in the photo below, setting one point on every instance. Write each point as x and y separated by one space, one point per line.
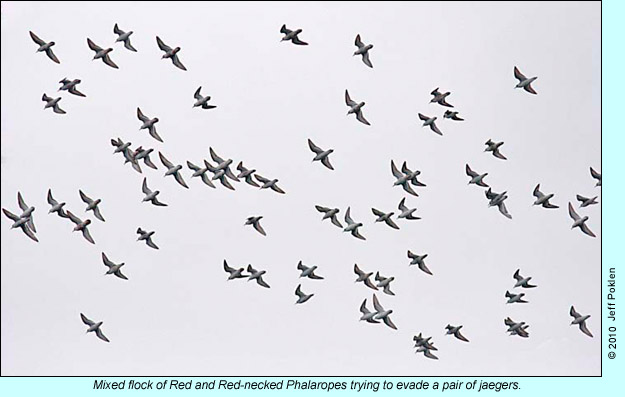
221 170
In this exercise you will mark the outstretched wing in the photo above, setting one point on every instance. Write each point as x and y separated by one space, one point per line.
177 62
161 45
93 45
470 172
360 117
572 212
36 38
107 59
348 100
85 198
296 40
164 160
86 320
314 147
518 75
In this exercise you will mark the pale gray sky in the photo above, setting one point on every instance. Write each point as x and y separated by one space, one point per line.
177 314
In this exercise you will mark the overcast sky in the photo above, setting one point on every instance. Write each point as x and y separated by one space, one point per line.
177 314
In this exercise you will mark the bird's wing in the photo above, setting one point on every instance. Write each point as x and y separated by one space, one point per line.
322 209
179 179
402 206
470 172
314 276
259 228
584 329
423 117
121 275
518 75
581 198
27 231
387 321
144 187
117 30
395 171
165 162
392 224
314 147
74 218
51 199
149 162
154 134
150 243
517 276
177 62
537 193
348 217
595 174
408 189
192 166
360 117
161 45
20 202
98 214
358 271
57 109
363 307
129 46
445 103
429 354
366 60
587 230
87 235
357 234
74 90
284 30
197 93
530 89
262 282
100 335
228 268
86 320
93 45
215 157
36 39
504 210
434 128
52 56
572 212
326 161
296 40
376 304
85 198
141 116
358 43
348 100
425 269
224 181
377 212
298 291
460 336
574 313
498 154
156 202
107 59
277 189
335 221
